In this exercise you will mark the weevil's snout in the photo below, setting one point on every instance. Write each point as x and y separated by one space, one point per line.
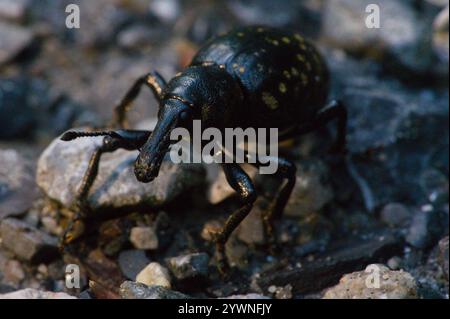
146 168
173 114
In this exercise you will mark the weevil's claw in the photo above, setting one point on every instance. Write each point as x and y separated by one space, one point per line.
221 259
73 231
222 264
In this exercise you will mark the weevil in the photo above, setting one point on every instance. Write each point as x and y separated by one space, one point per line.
251 77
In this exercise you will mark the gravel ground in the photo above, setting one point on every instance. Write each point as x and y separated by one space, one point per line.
382 208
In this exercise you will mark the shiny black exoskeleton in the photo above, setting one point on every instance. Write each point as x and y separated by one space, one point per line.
256 77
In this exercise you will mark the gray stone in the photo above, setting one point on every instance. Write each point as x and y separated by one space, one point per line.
443 255
13 272
144 238
137 37
17 116
395 125
392 285
438 3
14 10
312 190
63 164
18 188
154 275
13 39
27 242
131 262
394 263
166 10
251 229
51 226
401 39
440 36
189 266
134 290
349 255
100 22
281 292
396 215
427 227
30 293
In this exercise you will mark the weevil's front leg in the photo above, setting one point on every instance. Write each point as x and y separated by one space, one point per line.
287 170
243 185
153 80
125 139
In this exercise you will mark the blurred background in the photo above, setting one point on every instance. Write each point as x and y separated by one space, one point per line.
394 81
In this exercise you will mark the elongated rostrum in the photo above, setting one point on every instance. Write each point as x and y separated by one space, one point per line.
251 77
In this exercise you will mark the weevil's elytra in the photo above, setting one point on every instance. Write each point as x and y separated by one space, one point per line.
256 77
287 55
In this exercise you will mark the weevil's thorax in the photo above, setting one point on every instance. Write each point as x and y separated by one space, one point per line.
215 95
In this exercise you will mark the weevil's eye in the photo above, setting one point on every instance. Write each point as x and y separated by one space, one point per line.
185 116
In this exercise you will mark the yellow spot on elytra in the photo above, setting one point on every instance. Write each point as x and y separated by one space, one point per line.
275 42
301 58
260 30
286 40
242 69
240 34
282 87
287 74
298 37
304 79
235 65
294 71
270 100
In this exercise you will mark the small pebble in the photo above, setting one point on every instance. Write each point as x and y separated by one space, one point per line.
154 274
144 238
189 266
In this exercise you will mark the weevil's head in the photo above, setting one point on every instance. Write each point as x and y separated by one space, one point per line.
173 113
204 92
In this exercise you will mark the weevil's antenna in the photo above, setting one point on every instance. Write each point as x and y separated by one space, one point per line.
71 135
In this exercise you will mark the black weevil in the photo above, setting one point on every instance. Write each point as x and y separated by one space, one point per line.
257 77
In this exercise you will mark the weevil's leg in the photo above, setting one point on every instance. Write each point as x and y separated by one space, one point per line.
243 185
125 139
286 170
334 110
152 80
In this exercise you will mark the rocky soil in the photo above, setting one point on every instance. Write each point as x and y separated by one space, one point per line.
381 210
